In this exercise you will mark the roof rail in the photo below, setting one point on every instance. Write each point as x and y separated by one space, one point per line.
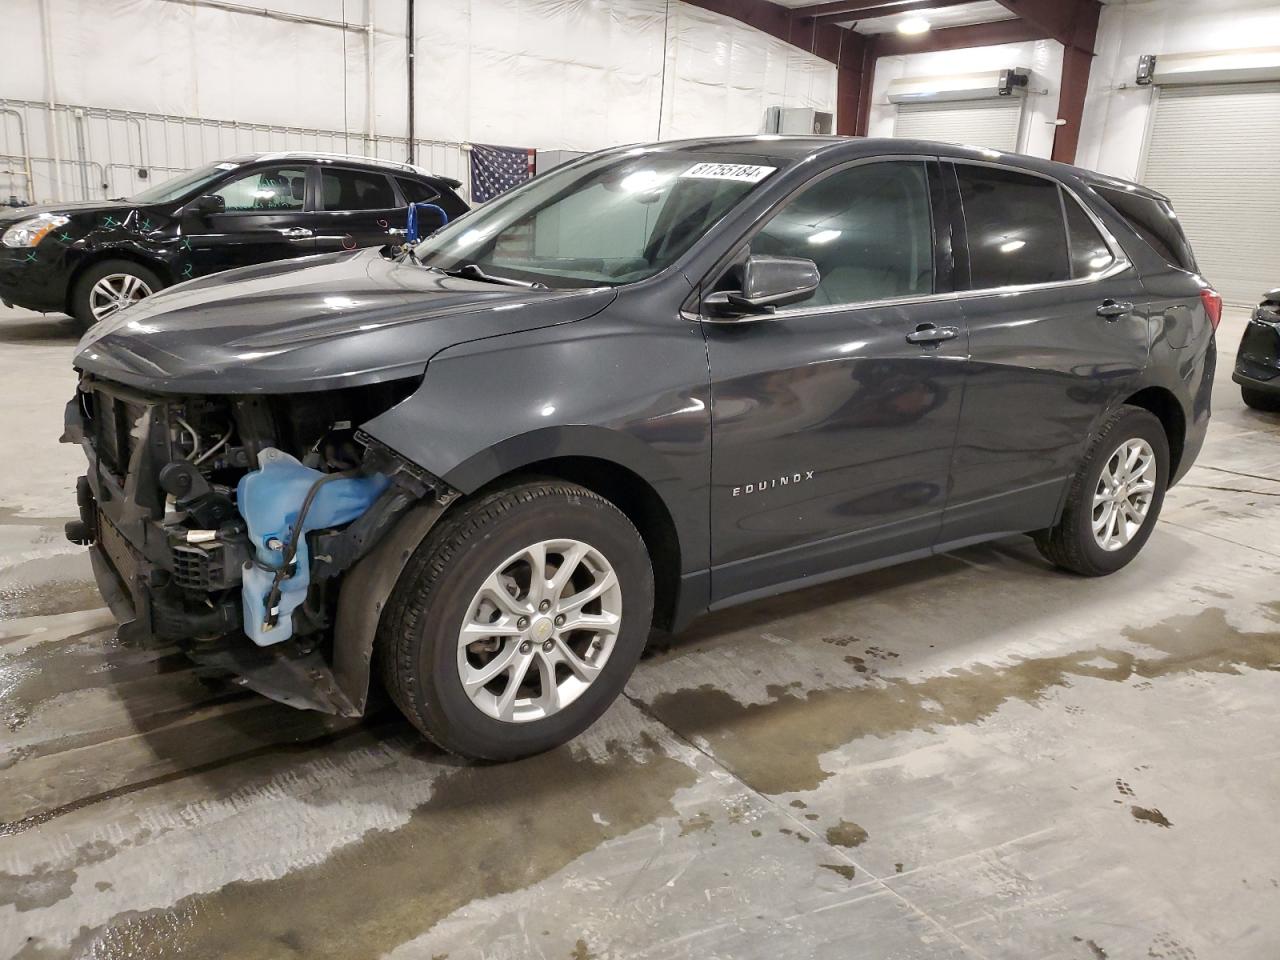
318 155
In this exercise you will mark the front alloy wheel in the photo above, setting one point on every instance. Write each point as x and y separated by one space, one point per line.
505 634
107 287
114 292
539 630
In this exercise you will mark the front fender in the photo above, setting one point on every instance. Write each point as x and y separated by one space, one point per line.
633 393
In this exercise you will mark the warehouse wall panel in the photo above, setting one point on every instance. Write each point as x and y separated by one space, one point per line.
1042 57
1117 111
549 74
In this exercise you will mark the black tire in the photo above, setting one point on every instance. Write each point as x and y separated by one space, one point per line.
418 634
1071 544
1260 400
81 311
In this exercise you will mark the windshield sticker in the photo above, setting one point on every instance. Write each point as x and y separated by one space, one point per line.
746 172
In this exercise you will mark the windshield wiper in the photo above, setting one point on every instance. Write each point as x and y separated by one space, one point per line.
472 271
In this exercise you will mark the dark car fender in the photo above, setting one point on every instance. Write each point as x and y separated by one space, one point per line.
609 394
1175 385
635 395
141 236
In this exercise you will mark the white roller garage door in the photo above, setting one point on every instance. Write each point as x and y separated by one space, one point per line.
1215 152
980 123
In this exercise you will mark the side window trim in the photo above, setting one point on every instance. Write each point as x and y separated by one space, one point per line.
311 203
1066 196
1119 263
691 310
954 216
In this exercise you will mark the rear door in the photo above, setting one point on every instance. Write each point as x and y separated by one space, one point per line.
265 218
833 419
356 208
1057 329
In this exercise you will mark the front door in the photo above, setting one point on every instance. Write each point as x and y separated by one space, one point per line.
1057 332
264 219
357 208
833 420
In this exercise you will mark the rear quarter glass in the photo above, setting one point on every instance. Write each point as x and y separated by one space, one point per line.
1155 222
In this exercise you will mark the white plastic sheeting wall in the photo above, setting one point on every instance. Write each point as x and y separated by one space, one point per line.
549 74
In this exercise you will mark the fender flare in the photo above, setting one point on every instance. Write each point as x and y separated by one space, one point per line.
364 594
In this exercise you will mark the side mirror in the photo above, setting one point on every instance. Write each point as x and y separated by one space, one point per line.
208 204
767 283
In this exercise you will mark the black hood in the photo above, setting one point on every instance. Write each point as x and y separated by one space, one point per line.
11 215
335 320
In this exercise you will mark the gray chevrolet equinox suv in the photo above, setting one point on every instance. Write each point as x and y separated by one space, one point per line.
655 381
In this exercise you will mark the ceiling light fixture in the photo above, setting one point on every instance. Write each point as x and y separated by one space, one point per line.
913 25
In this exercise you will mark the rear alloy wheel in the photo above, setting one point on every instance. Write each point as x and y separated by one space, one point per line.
1122 498
107 288
517 621
1114 498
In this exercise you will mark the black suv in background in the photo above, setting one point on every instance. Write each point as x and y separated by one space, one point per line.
654 381
90 259
1258 359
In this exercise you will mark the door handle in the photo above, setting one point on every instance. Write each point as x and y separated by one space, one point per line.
928 333
1114 309
297 233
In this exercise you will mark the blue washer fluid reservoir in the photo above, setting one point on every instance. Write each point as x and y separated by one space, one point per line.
269 499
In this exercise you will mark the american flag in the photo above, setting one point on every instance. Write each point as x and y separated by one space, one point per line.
495 170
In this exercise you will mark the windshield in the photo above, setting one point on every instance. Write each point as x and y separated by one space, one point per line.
179 187
604 221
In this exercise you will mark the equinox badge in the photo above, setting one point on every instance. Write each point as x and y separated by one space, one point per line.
764 485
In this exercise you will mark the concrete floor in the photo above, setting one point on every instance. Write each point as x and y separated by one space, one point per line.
971 756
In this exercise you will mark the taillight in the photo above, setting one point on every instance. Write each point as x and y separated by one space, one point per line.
1212 301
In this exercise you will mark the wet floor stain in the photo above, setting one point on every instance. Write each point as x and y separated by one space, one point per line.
46 599
1150 815
776 747
47 884
392 885
846 834
695 824
844 869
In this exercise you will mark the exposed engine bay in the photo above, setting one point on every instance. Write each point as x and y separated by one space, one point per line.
227 523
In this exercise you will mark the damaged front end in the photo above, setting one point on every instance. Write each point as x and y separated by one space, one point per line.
250 530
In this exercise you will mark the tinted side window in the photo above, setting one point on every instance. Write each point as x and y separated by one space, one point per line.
275 188
1015 227
1089 252
868 228
415 191
1155 222
356 190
